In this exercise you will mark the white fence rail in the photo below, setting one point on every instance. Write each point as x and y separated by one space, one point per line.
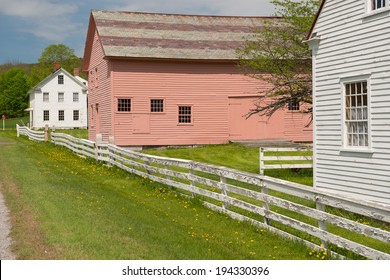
35 135
289 209
263 158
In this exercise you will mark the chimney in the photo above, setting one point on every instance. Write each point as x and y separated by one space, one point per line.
56 66
76 72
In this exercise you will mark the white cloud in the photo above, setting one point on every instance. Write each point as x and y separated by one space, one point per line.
45 18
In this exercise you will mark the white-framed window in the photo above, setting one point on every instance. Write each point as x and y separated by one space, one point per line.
124 105
75 97
60 97
76 115
156 105
185 114
45 97
378 4
60 79
356 114
61 115
46 115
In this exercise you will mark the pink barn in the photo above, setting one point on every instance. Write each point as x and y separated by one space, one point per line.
159 79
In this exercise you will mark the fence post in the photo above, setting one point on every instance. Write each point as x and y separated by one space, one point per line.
192 183
322 224
167 167
225 205
99 139
261 160
17 130
46 133
264 191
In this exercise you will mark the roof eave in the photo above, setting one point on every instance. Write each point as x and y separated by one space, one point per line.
315 21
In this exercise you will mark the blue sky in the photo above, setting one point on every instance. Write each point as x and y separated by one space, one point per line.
27 27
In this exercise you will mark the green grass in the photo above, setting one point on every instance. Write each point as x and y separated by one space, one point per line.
66 207
10 124
235 156
247 159
78 133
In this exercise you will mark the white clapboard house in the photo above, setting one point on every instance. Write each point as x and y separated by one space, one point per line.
59 101
350 43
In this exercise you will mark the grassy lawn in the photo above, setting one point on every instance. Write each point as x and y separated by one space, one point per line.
10 124
235 156
66 207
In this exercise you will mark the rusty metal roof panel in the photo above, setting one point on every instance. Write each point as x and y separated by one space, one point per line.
167 36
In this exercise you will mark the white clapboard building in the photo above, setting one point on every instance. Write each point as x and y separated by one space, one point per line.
59 101
350 43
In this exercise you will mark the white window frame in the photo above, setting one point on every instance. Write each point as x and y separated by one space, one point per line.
76 97
46 113
76 115
60 79
373 4
61 115
61 97
45 97
343 83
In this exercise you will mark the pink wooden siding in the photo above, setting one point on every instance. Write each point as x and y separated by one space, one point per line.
218 95
99 98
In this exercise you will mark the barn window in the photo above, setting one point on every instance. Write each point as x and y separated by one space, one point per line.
46 115
156 105
60 79
124 105
76 115
293 106
185 114
61 115
356 114
45 97
60 97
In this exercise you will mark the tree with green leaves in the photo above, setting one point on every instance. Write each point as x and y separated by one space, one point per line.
14 87
54 53
278 55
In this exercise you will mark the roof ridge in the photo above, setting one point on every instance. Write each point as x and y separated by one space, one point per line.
186 15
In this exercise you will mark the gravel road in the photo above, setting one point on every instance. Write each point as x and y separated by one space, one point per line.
5 228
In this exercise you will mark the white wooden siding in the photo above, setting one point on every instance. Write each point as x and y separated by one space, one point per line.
352 44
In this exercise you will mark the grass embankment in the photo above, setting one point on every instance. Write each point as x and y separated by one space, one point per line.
65 207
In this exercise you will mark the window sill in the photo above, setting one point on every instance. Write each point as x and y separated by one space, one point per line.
377 13
356 151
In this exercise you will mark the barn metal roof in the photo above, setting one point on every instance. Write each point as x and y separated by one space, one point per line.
173 36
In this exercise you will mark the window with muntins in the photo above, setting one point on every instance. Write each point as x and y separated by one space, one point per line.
61 115
60 79
293 106
75 97
124 105
46 115
356 114
156 105
45 97
185 114
76 115
60 97
378 4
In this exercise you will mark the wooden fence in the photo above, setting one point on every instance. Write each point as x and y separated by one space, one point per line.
292 210
35 135
263 158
